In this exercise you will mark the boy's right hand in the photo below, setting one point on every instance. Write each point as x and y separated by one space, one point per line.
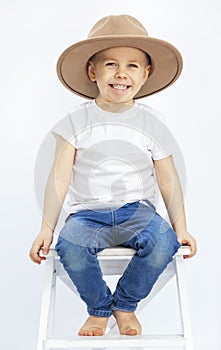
41 243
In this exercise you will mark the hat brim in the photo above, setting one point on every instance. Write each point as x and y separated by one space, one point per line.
166 62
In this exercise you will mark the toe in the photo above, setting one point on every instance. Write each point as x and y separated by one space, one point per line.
95 331
131 331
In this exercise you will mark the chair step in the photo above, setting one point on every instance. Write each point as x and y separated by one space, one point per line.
116 341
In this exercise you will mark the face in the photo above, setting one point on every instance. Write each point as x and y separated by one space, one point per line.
119 73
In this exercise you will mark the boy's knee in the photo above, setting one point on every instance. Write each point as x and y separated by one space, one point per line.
167 247
170 241
165 250
73 257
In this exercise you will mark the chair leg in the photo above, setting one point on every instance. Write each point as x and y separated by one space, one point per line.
183 301
48 300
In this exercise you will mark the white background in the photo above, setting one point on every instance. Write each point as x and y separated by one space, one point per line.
33 34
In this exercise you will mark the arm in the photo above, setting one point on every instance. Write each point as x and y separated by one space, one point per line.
55 192
171 191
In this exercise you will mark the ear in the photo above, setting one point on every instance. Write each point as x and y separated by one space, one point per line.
146 73
91 71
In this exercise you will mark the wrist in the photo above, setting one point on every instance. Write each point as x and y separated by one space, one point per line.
47 229
180 225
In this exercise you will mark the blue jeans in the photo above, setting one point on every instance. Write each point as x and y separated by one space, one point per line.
135 225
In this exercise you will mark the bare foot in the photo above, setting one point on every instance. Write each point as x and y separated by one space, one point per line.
127 323
94 326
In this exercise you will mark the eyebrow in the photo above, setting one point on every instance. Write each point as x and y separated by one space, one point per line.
133 60
148 59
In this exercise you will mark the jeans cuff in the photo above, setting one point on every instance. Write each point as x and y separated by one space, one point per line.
99 313
117 305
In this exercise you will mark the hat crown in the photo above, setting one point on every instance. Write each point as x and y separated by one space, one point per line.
117 26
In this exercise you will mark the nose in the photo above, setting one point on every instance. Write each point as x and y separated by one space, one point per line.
121 72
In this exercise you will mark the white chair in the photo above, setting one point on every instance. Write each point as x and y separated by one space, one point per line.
113 262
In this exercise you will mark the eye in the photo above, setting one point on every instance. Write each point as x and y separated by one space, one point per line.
133 65
110 64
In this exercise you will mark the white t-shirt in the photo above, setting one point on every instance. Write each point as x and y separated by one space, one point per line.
114 155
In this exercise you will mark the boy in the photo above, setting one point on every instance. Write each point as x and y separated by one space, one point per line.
108 153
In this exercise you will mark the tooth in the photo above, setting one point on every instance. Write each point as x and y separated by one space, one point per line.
123 87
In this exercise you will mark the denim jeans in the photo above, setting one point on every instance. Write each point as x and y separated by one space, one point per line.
136 225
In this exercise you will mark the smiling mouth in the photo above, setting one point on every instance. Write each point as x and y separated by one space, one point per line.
119 86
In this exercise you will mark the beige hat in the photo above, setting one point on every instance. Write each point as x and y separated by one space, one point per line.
115 31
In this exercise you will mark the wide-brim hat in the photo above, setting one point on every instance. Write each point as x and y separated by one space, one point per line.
116 31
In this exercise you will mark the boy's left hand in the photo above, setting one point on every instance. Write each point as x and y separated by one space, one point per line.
185 238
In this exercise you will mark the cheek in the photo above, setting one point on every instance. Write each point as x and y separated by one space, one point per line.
102 77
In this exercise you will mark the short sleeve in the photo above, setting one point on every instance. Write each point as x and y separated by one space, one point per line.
164 143
65 129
